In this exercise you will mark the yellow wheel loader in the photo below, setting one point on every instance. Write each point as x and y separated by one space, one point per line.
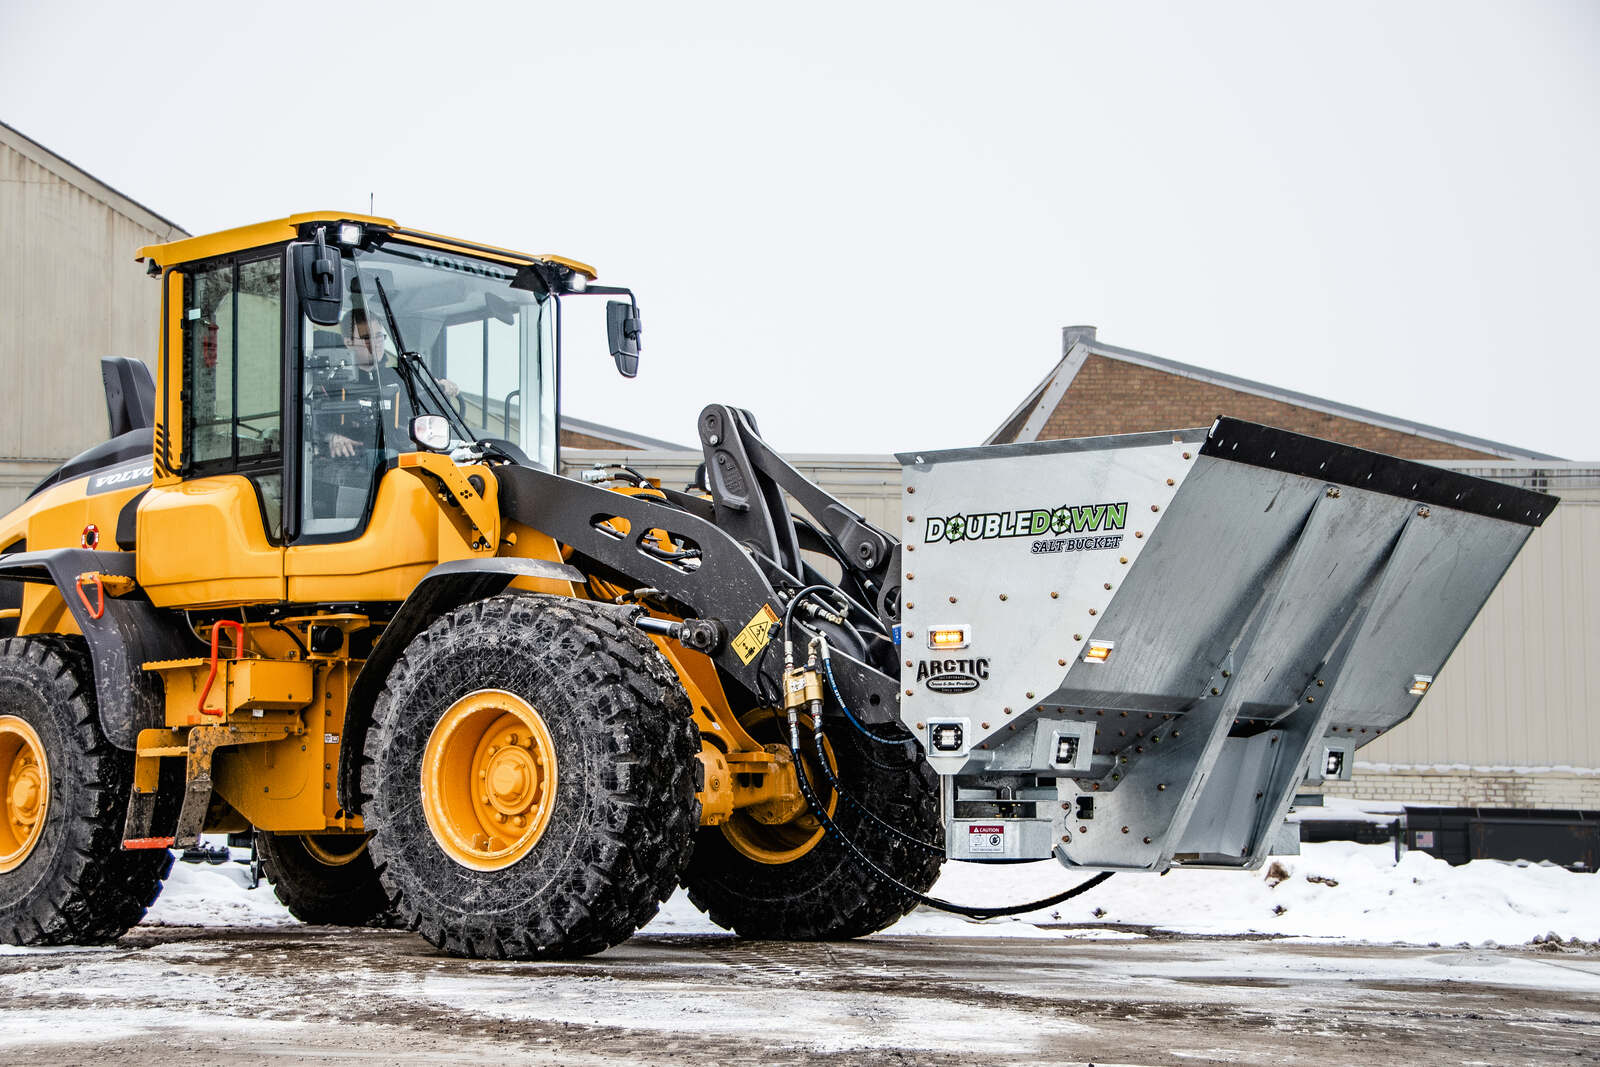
325 583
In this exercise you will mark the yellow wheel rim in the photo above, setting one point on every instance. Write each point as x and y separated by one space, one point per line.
335 850
782 842
489 779
26 780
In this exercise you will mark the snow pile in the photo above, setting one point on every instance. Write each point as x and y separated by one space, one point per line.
203 895
1344 809
1335 890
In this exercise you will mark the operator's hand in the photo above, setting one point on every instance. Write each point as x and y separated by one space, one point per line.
342 447
450 388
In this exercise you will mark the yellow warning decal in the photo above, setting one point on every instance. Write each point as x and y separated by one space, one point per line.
749 642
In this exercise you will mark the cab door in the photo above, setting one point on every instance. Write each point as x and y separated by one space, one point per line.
210 528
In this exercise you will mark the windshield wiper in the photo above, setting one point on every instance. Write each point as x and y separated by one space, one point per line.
413 371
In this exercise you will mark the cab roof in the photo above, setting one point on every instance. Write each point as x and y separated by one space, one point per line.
277 231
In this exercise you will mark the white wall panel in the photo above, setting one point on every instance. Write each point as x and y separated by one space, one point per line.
70 293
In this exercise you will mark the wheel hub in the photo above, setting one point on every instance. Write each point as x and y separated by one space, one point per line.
25 796
335 850
26 790
779 832
489 779
513 777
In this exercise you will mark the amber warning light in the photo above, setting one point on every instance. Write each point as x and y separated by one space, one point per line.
950 637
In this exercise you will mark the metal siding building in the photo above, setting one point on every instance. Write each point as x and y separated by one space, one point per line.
1514 718
70 293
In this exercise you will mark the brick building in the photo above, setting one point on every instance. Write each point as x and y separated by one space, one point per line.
1101 389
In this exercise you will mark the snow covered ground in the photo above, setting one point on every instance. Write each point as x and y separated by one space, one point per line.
1335 890
1344 979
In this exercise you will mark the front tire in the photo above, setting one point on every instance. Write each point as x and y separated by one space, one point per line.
794 882
529 779
64 877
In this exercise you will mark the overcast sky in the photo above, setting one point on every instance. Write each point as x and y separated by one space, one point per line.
868 223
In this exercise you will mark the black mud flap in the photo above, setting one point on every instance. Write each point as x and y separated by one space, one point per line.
128 632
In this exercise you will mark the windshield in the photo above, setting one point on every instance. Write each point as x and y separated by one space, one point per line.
420 332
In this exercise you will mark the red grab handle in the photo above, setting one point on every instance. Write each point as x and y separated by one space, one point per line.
238 653
98 608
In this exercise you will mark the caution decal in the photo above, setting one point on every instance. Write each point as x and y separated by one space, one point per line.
749 641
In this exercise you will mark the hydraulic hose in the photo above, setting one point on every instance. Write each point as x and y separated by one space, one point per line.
831 827
936 903
839 790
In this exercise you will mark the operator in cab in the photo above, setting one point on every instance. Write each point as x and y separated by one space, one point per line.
362 415
381 409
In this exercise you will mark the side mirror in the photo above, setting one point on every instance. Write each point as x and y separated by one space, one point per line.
431 432
319 277
622 330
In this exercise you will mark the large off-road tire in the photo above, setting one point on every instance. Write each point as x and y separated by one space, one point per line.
64 876
797 882
324 879
529 779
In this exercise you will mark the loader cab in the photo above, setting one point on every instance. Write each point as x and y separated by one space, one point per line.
281 421
416 331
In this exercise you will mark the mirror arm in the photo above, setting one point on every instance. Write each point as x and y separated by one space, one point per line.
607 290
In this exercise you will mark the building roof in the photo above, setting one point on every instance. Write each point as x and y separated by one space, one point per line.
71 173
1079 343
626 438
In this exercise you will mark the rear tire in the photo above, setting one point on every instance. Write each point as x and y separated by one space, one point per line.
64 876
824 893
555 712
324 879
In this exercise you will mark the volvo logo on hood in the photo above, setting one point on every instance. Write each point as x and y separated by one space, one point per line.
136 472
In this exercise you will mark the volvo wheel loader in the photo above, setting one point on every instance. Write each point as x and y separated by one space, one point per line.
325 583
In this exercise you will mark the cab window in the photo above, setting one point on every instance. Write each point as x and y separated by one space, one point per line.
233 421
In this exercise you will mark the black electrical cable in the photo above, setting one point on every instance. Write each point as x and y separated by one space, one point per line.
848 569
933 902
291 635
840 791
831 827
